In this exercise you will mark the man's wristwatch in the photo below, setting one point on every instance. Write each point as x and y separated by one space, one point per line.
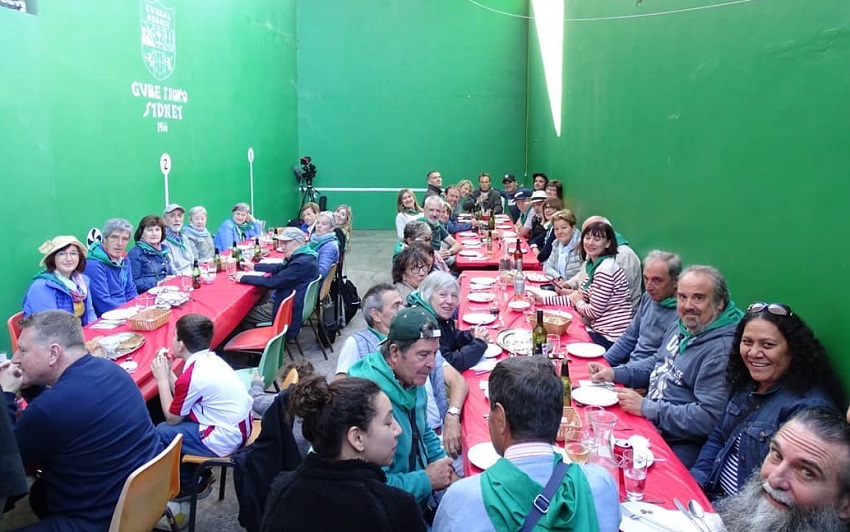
453 411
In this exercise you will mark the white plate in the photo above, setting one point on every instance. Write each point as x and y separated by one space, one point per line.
472 244
540 292
484 365
594 396
480 297
467 234
161 289
483 455
469 253
509 234
252 272
474 286
479 318
271 260
119 313
492 351
519 305
515 341
536 277
129 366
585 350
486 281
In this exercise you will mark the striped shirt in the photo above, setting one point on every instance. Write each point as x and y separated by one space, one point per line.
607 305
729 473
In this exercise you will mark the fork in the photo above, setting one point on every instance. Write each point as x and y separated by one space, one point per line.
653 522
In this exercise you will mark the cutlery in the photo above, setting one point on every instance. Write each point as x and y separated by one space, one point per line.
698 513
687 513
653 522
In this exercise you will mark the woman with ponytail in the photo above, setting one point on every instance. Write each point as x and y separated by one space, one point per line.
340 485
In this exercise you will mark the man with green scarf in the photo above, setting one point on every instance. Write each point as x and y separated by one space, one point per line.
526 399
686 383
182 257
657 310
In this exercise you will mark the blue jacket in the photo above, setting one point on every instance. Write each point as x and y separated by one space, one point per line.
328 254
295 274
454 227
228 234
756 418
645 333
111 284
148 267
47 294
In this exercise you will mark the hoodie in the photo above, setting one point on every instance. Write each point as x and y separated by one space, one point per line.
407 403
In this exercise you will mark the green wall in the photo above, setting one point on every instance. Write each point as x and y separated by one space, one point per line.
77 150
719 133
390 89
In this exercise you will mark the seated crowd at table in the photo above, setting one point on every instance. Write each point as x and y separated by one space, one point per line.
746 399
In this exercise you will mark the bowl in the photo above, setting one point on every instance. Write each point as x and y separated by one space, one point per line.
554 322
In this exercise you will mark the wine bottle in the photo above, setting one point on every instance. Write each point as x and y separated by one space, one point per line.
196 275
518 256
234 252
258 251
568 384
538 335
217 261
491 222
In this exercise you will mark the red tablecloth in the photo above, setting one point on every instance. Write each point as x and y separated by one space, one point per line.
667 478
224 301
490 260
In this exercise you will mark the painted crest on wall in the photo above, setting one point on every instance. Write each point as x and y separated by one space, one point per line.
159 44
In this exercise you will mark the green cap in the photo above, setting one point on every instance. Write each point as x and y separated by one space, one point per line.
407 325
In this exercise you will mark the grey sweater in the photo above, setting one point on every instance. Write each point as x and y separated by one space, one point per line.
643 337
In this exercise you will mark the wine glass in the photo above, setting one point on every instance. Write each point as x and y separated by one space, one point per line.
495 307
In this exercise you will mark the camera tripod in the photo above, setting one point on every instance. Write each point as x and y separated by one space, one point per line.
312 194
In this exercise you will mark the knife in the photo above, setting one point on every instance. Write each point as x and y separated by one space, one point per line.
685 511
652 522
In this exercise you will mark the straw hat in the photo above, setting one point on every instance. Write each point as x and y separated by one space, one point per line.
56 243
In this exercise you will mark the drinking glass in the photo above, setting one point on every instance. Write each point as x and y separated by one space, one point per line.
230 267
204 267
186 283
634 473
211 273
494 307
553 341
577 451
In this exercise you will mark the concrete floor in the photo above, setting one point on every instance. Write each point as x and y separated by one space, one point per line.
369 262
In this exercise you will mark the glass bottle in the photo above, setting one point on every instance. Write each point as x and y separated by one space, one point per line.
258 251
518 256
217 261
538 335
568 384
196 275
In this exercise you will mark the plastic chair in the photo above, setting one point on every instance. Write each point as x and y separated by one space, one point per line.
256 340
270 363
147 491
14 324
311 297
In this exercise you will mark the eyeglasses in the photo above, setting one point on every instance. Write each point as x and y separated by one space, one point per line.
777 309
419 268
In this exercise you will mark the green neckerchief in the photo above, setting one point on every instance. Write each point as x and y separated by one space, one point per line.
415 300
147 247
412 212
381 336
731 315
670 302
96 252
508 494
317 241
399 247
243 228
305 249
171 237
621 240
590 269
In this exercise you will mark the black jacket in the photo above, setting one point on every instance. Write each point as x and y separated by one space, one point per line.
493 200
459 348
351 495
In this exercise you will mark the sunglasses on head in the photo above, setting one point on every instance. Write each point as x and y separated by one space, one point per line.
777 309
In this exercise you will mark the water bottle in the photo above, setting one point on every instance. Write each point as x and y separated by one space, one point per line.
519 284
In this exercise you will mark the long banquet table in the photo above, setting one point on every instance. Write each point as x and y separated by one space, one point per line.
474 256
224 301
667 478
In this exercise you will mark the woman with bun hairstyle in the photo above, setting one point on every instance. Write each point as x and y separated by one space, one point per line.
340 485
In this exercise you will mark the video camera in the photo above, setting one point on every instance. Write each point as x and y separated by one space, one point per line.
306 172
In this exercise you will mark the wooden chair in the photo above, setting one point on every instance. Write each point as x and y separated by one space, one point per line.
256 340
14 324
311 296
270 362
203 463
147 491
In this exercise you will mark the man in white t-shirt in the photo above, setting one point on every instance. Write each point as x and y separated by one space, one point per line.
208 403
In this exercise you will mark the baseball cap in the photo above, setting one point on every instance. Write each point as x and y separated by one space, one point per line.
538 195
171 207
509 178
521 194
407 325
292 233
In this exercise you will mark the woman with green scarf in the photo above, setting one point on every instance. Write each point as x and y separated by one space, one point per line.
149 260
599 292
239 227
324 242
199 237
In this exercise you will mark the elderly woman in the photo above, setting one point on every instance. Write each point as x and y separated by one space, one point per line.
353 434
324 242
61 285
439 294
564 260
200 240
240 226
343 219
541 245
411 266
309 211
420 231
149 260
111 281
776 368
408 209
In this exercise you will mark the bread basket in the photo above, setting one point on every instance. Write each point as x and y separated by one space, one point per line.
554 322
149 319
